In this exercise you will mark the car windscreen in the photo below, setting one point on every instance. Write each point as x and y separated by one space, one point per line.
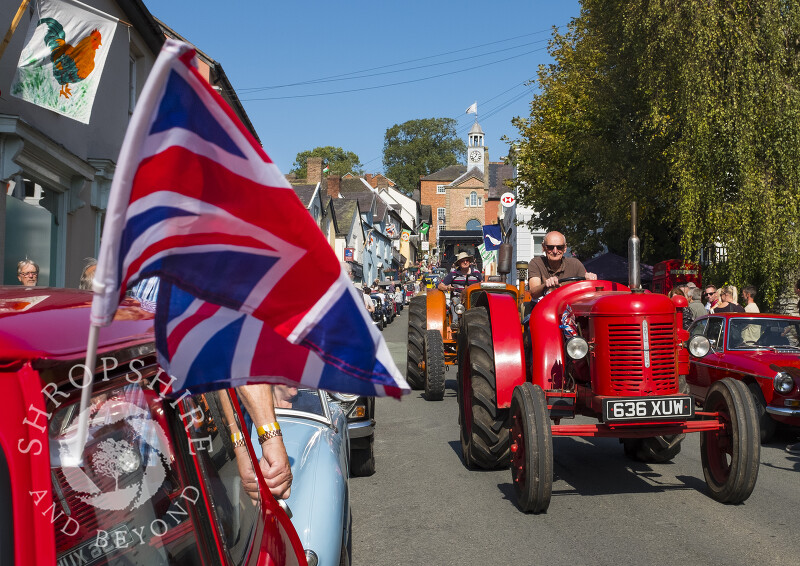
124 501
754 333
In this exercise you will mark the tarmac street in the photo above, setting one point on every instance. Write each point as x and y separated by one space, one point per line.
423 506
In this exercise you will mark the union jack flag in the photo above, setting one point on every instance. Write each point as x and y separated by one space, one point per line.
250 289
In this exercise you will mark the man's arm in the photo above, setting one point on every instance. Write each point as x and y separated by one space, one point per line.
274 461
445 284
537 287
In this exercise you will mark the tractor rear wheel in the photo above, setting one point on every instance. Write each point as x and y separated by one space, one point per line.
731 455
417 326
434 366
531 448
484 437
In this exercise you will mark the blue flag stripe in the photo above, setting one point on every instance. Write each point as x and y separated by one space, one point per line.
181 107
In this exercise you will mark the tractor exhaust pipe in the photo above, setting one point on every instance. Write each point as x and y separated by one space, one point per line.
634 248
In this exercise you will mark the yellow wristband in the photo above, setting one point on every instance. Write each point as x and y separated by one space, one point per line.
263 429
238 439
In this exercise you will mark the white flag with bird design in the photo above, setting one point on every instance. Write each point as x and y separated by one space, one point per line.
62 61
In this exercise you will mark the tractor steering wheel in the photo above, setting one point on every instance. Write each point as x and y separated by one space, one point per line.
571 279
562 281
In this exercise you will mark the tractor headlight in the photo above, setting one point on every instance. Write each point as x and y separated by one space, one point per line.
577 348
311 557
783 382
460 309
699 346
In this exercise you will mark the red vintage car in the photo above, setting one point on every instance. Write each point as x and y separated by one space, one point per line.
159 481
763 351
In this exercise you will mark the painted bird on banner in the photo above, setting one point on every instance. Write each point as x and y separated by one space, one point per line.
251 291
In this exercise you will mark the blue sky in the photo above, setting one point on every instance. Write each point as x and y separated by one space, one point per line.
481 51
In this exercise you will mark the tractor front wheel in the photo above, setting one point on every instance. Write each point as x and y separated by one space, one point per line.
484 436
731 455
531 448
417 326
434 366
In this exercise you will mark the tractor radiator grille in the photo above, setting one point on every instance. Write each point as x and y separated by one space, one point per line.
628 371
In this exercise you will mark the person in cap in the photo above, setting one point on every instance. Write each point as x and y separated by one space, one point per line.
462 275
544 272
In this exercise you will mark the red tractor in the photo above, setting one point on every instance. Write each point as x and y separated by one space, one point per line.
598 349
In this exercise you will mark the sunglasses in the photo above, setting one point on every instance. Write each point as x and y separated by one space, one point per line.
550 248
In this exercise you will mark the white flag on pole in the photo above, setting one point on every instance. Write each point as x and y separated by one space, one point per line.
473 109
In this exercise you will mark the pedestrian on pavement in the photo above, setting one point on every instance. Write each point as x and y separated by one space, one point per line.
695 305
749 295
680 291
87 276
368 300
28 272
726 303
710 297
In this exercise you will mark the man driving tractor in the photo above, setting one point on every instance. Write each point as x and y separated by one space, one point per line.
545 271
461 276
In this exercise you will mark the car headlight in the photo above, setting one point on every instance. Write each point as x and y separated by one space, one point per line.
311 558
783 382
344 397
699 346
577 348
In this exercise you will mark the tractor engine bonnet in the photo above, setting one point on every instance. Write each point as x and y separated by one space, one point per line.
633 337
623 304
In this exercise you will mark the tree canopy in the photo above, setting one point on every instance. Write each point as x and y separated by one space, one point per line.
420 147
339 161
691 108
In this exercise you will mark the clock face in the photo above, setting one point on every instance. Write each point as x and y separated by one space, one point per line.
475 156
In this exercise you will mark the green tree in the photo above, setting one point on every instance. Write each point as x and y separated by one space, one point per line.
690 107
339 161
420 147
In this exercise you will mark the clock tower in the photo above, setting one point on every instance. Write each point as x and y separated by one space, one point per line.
475 148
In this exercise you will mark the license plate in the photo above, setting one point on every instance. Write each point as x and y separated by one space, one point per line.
90 553
648 408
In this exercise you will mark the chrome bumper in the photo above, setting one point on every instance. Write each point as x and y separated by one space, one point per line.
784 412
361 429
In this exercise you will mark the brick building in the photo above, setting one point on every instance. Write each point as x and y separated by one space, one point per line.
462 198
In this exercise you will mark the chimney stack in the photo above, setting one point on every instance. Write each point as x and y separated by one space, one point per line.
334 182
314 170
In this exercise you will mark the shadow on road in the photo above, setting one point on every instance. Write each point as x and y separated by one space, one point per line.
593 466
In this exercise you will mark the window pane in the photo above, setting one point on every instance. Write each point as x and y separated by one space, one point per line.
226 470
29 231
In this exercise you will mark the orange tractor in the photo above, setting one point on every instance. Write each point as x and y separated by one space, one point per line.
433 326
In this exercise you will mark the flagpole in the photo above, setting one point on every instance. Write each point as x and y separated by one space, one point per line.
14 23
76 452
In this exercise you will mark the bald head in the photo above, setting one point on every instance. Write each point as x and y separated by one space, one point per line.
554 239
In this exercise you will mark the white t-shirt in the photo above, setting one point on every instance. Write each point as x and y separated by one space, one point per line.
751 307
368 302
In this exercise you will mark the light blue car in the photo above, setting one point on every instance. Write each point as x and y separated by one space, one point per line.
317 442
